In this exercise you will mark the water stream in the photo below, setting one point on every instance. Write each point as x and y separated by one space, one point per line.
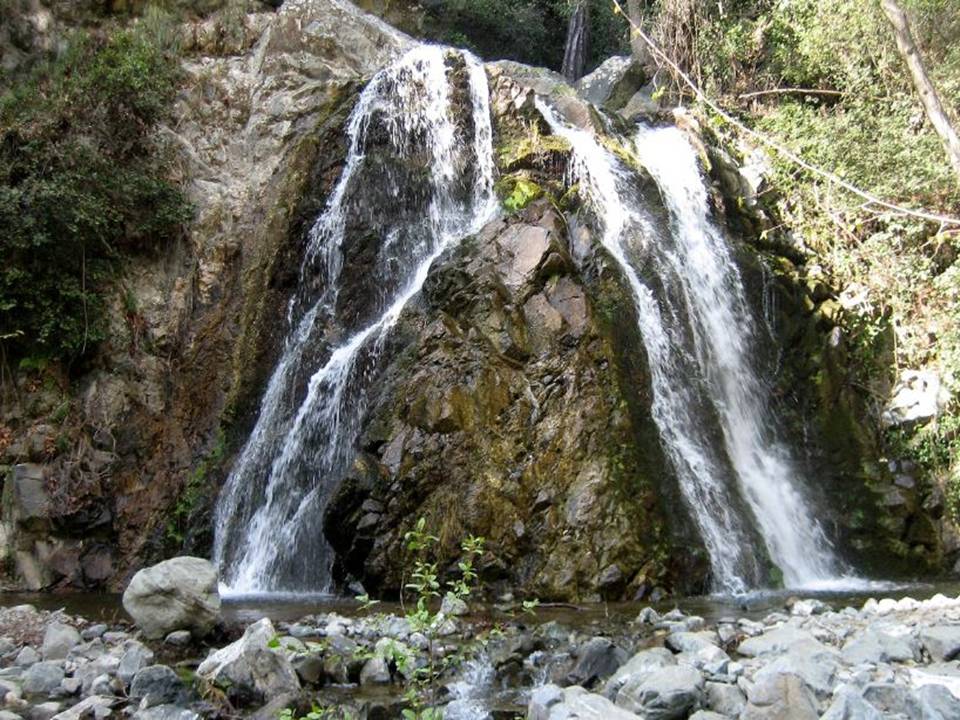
736 476
418 177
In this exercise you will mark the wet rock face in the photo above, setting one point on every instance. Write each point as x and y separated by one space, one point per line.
503 416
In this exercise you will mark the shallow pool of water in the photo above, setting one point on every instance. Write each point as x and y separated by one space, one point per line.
107 607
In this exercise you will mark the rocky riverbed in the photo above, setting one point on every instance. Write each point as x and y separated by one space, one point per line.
888 659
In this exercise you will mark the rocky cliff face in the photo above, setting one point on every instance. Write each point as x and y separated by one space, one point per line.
508 415
518 403
119 463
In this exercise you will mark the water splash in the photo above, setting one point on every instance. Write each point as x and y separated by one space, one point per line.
416 179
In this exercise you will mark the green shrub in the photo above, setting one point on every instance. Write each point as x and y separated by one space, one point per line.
900 274
82 185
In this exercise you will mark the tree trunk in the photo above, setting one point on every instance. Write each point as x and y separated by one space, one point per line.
578 37
928 93
637 46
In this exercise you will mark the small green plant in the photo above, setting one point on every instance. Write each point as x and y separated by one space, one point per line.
523 193
366 602
196 489
317 712
425 584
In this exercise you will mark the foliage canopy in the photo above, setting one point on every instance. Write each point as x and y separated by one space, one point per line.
82 183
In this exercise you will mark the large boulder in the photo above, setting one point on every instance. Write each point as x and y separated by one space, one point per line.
156 685
774 642
942 642
597 659
613 83
918 397
848 705
875 645
30 501
637 668
177 594
58 640
666 694
551 703
780 697
250 665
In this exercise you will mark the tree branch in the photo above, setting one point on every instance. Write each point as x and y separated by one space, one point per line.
928 93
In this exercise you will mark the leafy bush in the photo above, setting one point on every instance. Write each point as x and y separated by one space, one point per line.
82 184
899 274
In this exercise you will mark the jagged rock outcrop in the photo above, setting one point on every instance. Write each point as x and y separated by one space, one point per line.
508 415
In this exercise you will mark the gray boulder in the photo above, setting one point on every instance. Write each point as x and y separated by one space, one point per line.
637 668
42 679
375 671
178 638
42 711
88 673
780 697
453 606
95 707
177 594
309 668
597 659
725 698
250 663
573 703
848 705
876 646
892 699
774 641
26 657
941 641
136 656
93 632
691 642
673 692
30 501
613 83
542 699
811 661
156 685
938 703
104 684
58 640
165 712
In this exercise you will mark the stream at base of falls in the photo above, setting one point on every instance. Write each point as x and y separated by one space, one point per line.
507 653
291 607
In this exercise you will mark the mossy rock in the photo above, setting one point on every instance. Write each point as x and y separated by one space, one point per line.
517 191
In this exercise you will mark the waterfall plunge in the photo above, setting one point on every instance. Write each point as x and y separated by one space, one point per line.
699 336
269 534
736 477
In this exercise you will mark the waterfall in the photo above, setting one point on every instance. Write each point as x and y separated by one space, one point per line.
418 177
736 476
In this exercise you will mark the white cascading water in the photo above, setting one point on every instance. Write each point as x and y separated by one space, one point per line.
699 337
419 178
